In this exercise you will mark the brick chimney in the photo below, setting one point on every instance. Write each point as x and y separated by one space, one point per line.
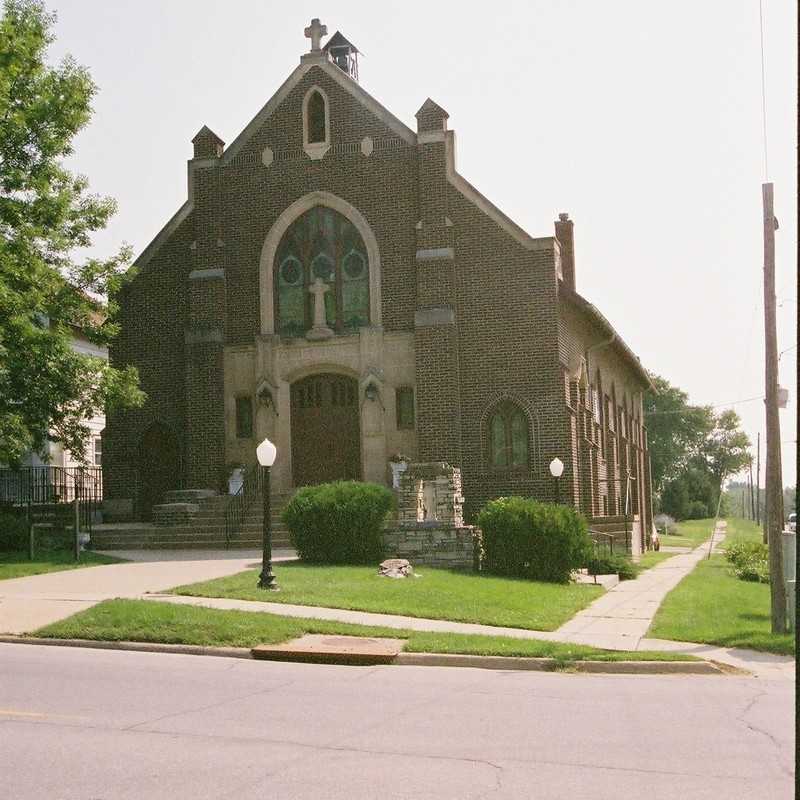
566 240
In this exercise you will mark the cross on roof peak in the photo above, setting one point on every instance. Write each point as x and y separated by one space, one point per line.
315 31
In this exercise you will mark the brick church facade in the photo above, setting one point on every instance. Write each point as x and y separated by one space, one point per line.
334 284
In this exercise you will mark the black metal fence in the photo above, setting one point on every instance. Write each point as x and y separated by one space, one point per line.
34 488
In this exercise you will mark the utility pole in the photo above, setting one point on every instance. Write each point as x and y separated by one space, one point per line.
758 479
774 478
752 497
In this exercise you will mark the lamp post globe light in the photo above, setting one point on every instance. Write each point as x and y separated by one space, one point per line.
266 453
557 470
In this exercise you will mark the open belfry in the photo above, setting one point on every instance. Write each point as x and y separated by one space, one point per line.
333 283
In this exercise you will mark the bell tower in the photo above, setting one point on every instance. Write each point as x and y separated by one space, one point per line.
344 54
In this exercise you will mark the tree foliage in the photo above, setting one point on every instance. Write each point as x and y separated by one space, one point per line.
47 215
676 430
692 451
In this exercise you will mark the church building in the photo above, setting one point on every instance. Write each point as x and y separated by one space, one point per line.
333 283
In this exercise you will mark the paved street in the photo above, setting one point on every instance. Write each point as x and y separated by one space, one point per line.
81 724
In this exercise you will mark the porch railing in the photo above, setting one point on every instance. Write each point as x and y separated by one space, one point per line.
238 506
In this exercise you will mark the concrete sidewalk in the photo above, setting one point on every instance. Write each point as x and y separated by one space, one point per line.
31 602
620 619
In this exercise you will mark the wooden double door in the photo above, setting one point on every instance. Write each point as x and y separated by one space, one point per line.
326 431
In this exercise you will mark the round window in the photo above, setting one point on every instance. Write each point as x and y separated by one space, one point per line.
354 265
291 271
323 267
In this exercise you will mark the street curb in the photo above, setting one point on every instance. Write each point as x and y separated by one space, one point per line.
409 659
143 647
552 665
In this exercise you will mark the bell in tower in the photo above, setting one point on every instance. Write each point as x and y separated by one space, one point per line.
344 54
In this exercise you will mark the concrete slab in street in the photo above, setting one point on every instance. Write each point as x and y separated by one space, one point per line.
326 649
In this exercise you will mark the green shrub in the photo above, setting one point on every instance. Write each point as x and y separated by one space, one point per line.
610 564
339 523
750 560
13 532
526 539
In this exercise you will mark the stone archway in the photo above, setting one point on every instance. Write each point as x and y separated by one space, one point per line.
326 429
281 225
158 467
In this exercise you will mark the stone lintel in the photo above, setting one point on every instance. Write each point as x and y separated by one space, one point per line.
435 253
207 274
429 317
425 137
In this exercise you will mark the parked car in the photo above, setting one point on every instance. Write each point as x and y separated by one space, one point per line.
793 522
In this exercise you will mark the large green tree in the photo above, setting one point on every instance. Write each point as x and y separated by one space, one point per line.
47 216
676 430
726 449
692 450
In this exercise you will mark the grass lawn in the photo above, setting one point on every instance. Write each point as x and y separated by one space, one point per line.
651 558
691 533
437 594
147 621
739 528
17 565
710 605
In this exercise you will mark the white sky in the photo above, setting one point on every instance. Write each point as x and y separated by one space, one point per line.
641 119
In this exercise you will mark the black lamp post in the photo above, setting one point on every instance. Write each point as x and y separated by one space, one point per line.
556 470
266 453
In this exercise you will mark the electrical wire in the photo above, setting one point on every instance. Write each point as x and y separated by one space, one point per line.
715 405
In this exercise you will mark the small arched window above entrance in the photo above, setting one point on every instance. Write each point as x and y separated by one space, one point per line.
316 123
316 118
509 437
321 244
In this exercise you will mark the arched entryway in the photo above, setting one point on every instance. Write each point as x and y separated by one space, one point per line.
326 434
158 468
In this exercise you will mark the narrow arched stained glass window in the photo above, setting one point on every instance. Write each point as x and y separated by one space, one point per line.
315 112
509 436
321 244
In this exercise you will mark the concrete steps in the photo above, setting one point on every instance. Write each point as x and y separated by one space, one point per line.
203 528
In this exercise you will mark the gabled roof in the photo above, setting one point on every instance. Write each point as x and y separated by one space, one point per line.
337 40
345 81
592 312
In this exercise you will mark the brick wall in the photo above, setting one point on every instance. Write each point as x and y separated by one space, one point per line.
482 305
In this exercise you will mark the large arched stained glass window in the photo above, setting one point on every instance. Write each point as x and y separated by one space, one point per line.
321 244
508 437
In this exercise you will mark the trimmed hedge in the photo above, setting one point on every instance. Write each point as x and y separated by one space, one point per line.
339 523
524 538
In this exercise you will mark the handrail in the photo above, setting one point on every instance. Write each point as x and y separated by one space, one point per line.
242 501
609 539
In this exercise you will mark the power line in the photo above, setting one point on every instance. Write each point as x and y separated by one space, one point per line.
786 351
715 405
